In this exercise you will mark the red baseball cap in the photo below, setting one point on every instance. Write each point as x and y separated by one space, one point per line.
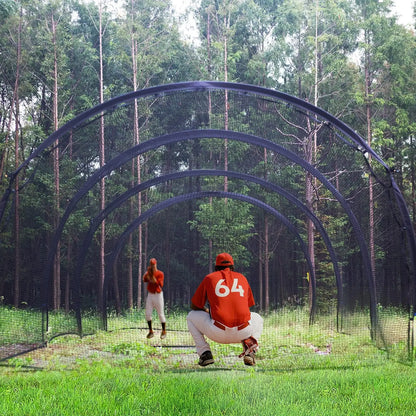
153 261
224 259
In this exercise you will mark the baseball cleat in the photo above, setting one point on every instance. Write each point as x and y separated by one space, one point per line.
150 335
250 359
163 335
206 358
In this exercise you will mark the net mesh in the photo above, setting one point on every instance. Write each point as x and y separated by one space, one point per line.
291 162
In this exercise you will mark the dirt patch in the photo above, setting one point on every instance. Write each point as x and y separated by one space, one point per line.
13 350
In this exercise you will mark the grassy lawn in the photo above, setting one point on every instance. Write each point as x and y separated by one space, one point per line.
120 372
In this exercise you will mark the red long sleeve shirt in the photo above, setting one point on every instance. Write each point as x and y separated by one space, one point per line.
229 295
154 287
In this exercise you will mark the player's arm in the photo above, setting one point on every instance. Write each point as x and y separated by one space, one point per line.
160 279
250 299
149 278
197 308
199 299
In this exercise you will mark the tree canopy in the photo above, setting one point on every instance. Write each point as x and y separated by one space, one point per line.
351 58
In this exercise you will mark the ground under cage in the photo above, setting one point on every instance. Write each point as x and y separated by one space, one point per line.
288 342
311 214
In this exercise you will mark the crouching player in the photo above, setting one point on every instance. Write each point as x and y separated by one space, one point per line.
229 319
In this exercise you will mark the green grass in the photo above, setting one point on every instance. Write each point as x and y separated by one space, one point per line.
120 372
104 389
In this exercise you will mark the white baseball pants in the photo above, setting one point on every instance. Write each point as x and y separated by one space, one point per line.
155 301
200 325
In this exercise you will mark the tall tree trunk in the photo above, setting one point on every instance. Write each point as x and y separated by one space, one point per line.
266 245
139 211
116 289
130 302
226 28
101 293
68 277
16 300
310 229
67 295
57 263
260 277
413 179
137 161
311 159
210 253
266 264
368 93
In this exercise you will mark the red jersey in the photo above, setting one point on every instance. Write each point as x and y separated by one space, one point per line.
154 287
229 296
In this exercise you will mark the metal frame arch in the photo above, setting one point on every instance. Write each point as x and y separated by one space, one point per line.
229 134
202 194
96 221
310 111
168 89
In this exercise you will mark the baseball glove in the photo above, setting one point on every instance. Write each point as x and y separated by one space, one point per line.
250 345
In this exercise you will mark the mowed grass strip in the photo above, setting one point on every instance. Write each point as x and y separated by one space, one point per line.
102 389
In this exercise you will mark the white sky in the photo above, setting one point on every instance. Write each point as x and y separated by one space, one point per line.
403 8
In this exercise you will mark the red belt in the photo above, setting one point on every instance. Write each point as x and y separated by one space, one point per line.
223 327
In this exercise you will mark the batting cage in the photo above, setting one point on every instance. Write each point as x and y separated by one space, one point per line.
311 214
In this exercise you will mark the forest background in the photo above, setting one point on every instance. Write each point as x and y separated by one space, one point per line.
59 58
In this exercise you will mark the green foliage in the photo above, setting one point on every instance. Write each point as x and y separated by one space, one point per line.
140 349
228 225
19 326
7 7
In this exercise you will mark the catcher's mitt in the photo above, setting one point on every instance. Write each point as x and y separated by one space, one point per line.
250 345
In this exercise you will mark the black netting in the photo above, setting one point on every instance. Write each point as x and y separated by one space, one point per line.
289 161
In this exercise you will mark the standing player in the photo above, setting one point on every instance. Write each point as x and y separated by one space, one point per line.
230 298
154 279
